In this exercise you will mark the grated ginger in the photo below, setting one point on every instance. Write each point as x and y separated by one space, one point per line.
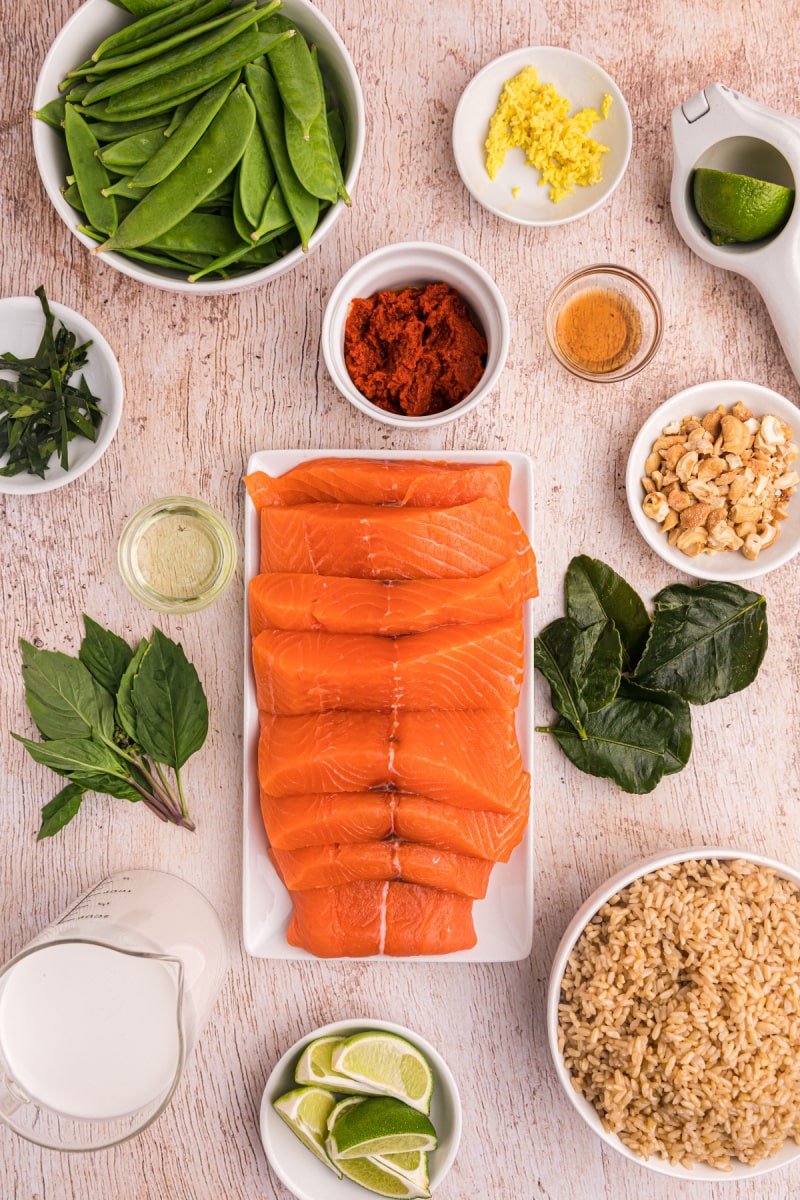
535 117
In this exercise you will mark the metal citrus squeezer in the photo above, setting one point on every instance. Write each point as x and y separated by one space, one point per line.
723 130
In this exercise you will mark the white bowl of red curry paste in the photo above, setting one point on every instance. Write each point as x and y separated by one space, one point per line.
415 334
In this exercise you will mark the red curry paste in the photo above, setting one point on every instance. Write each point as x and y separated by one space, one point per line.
415 350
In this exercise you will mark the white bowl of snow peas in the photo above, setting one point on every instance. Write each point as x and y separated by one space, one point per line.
206 147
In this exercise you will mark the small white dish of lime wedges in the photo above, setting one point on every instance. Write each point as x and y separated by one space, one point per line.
317 1102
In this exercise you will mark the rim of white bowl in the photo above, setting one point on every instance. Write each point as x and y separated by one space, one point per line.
32 485
218 287
339 300
348 1026
773 557
619 99
700 1173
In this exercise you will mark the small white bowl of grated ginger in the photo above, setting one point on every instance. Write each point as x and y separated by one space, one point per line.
542 136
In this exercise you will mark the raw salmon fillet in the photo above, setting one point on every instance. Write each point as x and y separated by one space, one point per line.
457 666
335 864
468 759
317 819
395 543
336 604
366 481
365 918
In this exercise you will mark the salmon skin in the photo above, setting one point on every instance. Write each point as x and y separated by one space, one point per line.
332 865
457 666
317 819
468 759
356 920
336 604
364 542
419 484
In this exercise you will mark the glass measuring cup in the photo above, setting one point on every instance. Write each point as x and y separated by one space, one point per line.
99 1013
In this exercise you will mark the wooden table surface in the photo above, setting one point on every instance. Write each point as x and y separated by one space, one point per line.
209 380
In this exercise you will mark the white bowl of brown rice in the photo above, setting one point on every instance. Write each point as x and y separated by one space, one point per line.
674 1013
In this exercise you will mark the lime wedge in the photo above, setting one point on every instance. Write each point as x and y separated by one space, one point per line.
738 208
370 1173
379 1125
342 1106
413 1165
305 1110
315 1068
387 1063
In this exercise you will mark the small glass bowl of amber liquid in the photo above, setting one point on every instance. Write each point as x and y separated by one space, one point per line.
603 323
177 554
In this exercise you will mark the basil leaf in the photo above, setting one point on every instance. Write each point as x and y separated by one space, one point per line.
595 593
597 664
625 742
553 655
679 747
104 654
126 713
60 811
72 756
60 693
109 785
170 705
706 642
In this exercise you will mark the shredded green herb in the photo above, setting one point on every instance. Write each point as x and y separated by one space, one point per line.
41 412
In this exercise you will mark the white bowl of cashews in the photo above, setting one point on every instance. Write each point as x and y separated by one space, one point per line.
713 495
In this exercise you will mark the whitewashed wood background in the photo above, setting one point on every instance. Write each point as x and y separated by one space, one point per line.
210 380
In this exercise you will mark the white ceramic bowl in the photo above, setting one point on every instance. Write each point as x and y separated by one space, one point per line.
21 327
729 565
303 1174
584 84
95 20
413 264
790 1152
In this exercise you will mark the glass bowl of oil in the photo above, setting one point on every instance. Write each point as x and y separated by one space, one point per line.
177 554
603 323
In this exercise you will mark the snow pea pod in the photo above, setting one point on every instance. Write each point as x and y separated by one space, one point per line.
301 204
336 135
132 151
115 131
142 54
275 215
52 113
187 134
293 69
256 178
183 56
196 75
90 174
103 112
312 157
198 233
211 160
179 113
158 25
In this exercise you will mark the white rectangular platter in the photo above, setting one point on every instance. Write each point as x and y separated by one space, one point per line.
504 919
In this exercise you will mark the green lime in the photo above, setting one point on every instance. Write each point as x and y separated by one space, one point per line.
379 1125
372 1174
413 1164
387 1063
306 1110
737 208
314 1067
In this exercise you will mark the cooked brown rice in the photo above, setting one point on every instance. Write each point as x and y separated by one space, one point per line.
679 1017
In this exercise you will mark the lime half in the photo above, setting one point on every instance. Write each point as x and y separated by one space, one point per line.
387 1063
306 1110
314 1067
737 208
379 1125
373 1174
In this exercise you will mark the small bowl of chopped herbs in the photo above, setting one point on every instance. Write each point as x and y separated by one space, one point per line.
60 394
